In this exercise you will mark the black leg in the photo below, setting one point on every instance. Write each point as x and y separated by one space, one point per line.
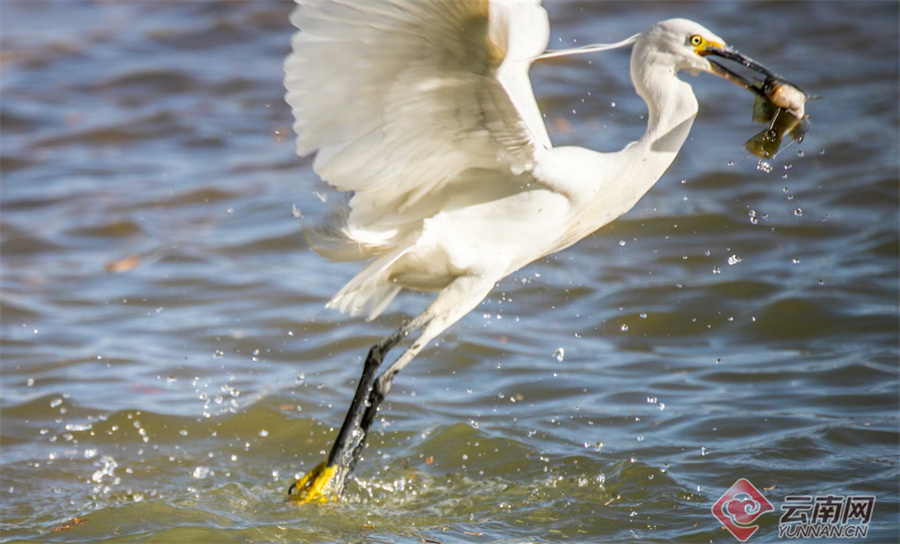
376 395
350 433
329 479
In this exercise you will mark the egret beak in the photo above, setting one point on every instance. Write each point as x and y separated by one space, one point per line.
724 72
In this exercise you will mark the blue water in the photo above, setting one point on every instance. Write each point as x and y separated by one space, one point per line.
168 365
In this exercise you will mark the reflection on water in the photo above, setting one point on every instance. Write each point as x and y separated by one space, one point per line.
168 365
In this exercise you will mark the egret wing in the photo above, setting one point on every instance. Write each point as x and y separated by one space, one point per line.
401 98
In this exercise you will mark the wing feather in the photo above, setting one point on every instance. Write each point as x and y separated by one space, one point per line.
401 98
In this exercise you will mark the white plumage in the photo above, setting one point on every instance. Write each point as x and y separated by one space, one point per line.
424 110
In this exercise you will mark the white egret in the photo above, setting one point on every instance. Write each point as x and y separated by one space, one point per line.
424 110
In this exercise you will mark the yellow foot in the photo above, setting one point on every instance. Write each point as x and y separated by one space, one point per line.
317 485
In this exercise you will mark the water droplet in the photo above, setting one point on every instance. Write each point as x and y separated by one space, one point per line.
753 219
264 433
798 212
800 153
622 243
30 382
821 282
643 316
719 361
200 473
624 328
716 270
704 451
661 406
764 166
559 354
733 260
795 261
108 466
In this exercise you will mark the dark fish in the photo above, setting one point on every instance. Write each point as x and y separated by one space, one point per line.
780 105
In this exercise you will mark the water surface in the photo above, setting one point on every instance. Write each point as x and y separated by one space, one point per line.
168 366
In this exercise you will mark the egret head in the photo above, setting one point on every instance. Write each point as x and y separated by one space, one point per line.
683 45
676 44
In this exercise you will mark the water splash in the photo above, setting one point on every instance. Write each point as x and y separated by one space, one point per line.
559 354
764 166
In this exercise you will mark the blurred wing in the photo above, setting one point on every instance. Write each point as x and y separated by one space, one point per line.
402 97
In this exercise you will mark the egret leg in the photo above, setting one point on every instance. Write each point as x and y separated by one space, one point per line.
328 479
455 301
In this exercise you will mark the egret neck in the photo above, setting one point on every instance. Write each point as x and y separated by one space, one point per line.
618 180
672 108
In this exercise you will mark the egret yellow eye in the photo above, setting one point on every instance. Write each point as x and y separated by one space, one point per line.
696 40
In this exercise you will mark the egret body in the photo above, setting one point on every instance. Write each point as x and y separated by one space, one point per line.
424 111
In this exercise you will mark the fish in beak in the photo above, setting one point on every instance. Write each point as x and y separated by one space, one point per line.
779 103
